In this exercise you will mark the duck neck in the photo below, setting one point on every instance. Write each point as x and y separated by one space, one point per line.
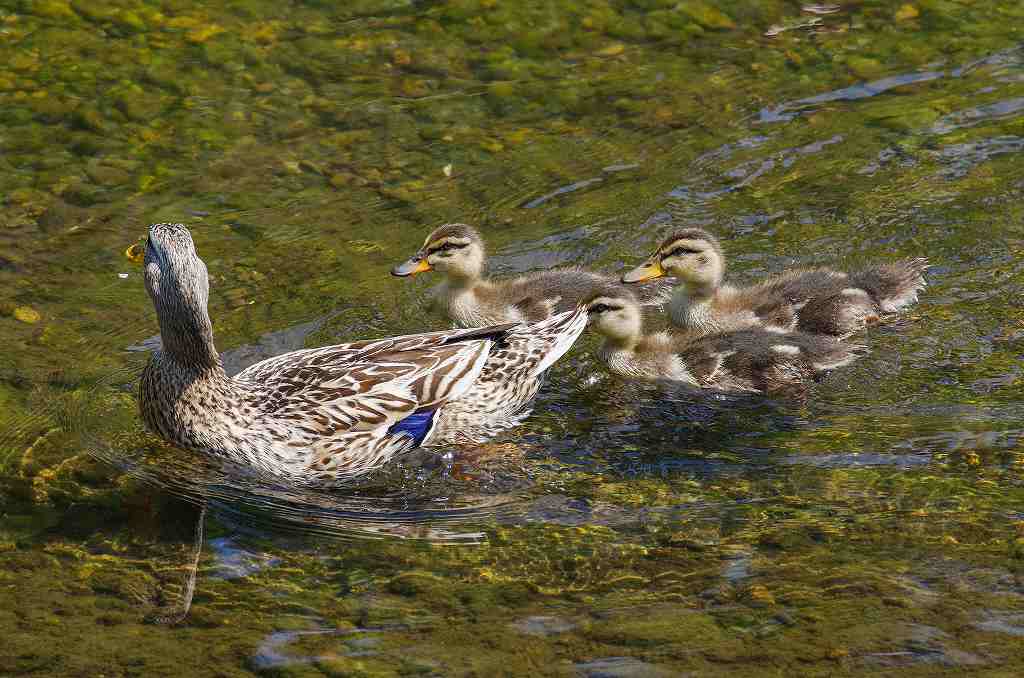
461 281
188 339
624 344
687 298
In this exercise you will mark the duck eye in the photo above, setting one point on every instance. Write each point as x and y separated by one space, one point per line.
680 251
447 247
600 308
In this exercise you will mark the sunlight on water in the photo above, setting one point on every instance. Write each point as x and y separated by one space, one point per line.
873 528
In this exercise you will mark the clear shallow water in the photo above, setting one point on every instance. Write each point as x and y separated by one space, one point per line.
875 528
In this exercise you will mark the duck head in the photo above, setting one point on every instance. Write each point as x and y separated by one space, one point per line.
178 283
614 312
692 255
454 249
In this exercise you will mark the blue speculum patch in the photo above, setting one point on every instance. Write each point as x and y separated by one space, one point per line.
417 425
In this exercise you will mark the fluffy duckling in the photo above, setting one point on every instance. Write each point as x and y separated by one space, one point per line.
471 300
817 300
748 360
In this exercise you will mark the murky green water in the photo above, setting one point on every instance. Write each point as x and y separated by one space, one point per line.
876 529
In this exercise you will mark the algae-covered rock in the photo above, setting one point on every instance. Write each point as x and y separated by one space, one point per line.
78 478
54 9
658 626
865 67
906 12
706 15
88 117
418 584
83 194
106 175
26 314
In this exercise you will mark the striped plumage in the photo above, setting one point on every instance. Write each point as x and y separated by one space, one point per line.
749 360
819 300
319 414
471 300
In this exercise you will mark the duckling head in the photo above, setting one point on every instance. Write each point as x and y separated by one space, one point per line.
692 255
178 283
614 312
454 249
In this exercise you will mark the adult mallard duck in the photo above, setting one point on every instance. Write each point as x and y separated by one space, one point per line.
748 360
315 415
470 300
817 300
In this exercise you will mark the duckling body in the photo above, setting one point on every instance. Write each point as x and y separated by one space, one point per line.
747 360
319 414
471 300
727 310
819 300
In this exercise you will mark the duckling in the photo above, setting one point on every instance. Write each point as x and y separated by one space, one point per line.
747 360
320 414
470 300
818 300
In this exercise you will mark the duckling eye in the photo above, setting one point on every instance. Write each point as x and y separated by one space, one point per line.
603 308
447 248
680 251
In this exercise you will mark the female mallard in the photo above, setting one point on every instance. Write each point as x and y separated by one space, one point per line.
817 300
317 414
468 299
750 360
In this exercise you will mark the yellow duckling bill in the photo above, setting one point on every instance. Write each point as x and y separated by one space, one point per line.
646 271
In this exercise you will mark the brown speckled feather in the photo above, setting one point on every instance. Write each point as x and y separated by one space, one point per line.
319 414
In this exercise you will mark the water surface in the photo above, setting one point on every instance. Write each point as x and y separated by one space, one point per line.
876 528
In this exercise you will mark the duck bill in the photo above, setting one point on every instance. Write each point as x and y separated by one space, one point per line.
411 267
135 253
647 271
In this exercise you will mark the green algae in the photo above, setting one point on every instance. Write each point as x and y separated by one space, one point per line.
331 136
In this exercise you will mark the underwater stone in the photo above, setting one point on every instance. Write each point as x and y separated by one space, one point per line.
865 68
621 667
542 625
139 106
906 13
706 15
22 196
342 179
54 9
104 174
129 21
83 194
88 118
26 314
202 33
97 12
60 215
52 109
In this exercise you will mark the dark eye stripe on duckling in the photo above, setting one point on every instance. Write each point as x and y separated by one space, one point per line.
446 246
604 308
681 250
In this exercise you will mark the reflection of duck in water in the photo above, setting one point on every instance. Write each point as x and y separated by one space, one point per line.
470 300
318 414
817 300
750 360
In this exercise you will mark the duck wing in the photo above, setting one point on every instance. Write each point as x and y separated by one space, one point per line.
799 285
764 361
354 406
